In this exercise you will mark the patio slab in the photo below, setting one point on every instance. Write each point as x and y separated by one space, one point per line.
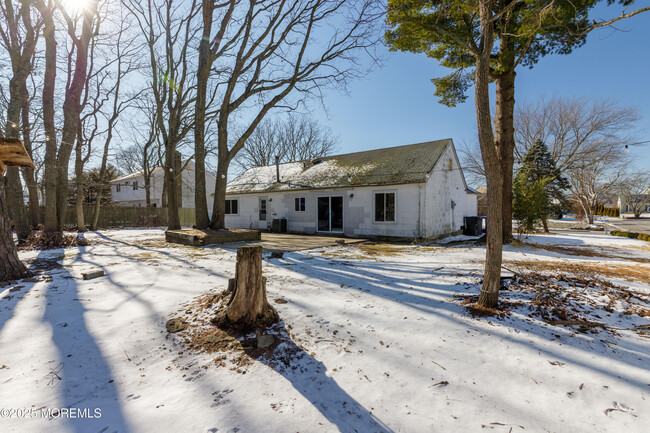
291 242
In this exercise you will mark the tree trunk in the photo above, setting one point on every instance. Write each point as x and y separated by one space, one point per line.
14 186
28 173
11 268
79 186
490 153
49 79
173 220
248 307
219 207
545 225
504 131
71 110
203 73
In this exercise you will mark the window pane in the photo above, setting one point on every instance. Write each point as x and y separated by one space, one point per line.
296 205
234 206
302 204
324 214
390 206
227 207
379 207
336 210
262 209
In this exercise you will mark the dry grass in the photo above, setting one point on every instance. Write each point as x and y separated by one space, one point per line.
619 271
585 251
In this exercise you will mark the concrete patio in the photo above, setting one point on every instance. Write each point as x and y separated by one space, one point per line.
291 242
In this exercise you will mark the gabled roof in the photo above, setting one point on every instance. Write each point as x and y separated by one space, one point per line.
389 166
136 175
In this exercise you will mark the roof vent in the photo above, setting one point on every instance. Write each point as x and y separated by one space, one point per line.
316 161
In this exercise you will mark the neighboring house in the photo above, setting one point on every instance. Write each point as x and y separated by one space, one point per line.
417 190
129 190
643 199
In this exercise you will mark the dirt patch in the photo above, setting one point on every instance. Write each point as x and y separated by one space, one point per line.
40 240
272 345
586 269
584 251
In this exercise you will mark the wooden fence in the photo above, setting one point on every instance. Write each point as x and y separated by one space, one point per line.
119 216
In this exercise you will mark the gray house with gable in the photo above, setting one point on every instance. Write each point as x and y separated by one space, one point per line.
416 190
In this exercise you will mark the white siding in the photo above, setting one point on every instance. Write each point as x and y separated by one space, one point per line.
127 196
444 186
358 211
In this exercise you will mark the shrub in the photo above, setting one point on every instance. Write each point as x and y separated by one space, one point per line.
632 235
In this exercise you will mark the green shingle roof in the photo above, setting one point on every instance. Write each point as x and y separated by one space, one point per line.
388 166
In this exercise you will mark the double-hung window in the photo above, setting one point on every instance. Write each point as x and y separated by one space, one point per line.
384 206
232 206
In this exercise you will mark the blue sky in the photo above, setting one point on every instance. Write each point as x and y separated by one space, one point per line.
395 105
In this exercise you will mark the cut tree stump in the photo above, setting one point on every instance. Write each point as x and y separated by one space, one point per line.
248 307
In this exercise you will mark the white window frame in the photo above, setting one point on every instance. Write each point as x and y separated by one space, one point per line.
135 185
374 206
300 203
118 188
231 200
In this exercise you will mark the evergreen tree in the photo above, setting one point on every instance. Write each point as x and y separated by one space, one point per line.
539 170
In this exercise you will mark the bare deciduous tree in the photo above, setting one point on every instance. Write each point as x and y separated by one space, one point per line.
169 30
595 175
276 50
634 193
291 139
18 36
572 127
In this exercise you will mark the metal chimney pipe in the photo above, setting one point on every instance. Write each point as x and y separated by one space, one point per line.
277 168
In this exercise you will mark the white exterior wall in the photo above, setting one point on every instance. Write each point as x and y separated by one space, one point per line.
127 196
421 210
444 186
358 211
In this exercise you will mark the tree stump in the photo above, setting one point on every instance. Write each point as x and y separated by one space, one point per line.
248 307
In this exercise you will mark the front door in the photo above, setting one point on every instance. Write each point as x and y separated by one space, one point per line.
262 214
330 214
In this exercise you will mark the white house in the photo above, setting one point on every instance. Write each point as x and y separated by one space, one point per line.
129 190
417 190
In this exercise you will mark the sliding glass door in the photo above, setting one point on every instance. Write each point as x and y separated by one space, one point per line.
330 214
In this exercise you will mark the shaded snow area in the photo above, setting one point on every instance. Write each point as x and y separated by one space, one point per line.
373 338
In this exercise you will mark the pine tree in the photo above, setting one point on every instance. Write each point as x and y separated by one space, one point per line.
539 172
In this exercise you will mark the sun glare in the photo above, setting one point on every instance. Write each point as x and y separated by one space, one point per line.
74 6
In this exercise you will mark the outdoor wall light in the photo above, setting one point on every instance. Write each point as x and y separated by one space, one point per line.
270 200
351 195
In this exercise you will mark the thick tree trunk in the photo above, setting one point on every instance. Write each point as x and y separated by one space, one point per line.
490 153
173 220
203 73
71 111
14 186
49 79
16 203
248 307
11 268
504 131
219 207
28 173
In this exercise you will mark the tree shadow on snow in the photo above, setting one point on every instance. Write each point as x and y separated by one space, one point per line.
412 286
309 377
83 376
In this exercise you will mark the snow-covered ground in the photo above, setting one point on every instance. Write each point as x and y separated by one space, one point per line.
382 342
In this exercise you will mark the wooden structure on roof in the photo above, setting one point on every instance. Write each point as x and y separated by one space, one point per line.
13 153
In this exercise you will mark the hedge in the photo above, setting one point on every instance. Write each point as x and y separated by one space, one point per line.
607 211
633 235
